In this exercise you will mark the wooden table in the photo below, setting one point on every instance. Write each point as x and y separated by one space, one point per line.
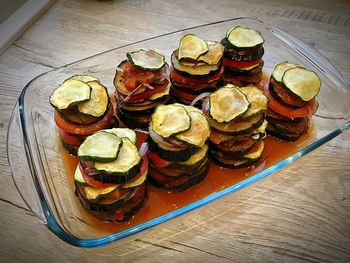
301 214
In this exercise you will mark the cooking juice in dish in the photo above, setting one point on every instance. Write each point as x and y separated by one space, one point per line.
160 202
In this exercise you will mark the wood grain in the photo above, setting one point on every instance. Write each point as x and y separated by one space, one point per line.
301 214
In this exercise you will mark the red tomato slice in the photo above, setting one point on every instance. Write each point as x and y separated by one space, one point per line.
240 64
141 75
305 111
156 160
69 138
178 78
130 83
92 182
69 127
183 95
147 93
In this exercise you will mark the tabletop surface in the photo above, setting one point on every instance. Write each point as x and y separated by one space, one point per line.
300 214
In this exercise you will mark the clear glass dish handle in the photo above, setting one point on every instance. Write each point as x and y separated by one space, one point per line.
21 168
312 55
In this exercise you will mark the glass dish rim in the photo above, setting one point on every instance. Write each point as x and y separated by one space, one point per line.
51 222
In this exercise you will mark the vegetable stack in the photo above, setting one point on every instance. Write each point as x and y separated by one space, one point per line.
178 150
82 107
196 68
291 92
237 120
141 84
243 56
110 178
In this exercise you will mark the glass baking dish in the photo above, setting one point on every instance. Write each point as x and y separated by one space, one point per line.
35 153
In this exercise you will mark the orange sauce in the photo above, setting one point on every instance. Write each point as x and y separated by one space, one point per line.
161 202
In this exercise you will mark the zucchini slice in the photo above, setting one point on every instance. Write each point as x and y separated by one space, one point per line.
197 157
261 129
168 120
78 177
302 82
101 147
146 59
256 152
69 93
227 103
192 47
256 97
199 131
240 127
93 193
214 54
128 158
138 181
241 37
84 78
199 69
123 133
162 94
280 68
98 103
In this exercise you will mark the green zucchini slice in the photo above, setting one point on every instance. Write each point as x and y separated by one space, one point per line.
256 97
78 177
227 103
160 95
302 82
241 37
128 158
146 59
168 120
99 100
197 157
256 152
199 69
123 133
101 146
199 131
192 47
280 68
69 93
241 127
214 54
138 181
84 78
93 193
261 129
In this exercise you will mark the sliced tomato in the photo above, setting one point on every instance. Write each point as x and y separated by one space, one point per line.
92 182
147 93
306 111
156 160
240 64
141 75
69 138
130 83
183 95
188 81
72 128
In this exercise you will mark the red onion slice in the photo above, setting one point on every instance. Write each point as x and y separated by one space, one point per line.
143 149
170 143
200 97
